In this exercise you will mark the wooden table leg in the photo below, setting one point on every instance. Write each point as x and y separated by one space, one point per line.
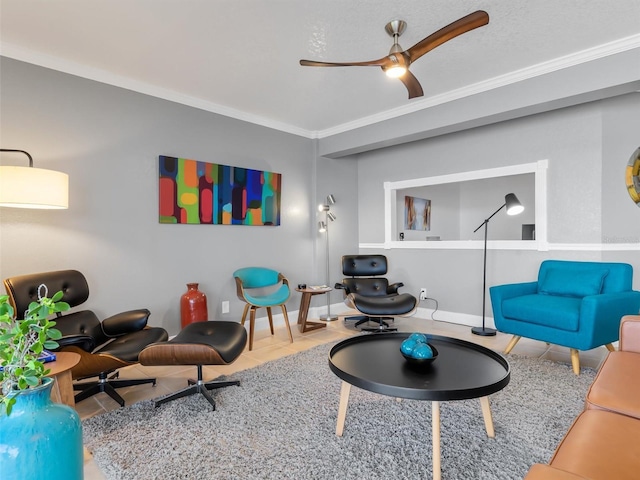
65 388
60 371
303 312
435 429
342 409
486 413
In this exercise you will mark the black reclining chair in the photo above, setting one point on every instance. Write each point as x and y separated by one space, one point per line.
103 346
372 295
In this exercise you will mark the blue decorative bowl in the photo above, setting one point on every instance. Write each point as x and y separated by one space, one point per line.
419 363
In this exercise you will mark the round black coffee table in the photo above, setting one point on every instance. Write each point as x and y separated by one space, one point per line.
462 370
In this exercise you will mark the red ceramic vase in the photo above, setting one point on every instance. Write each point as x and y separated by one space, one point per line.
193 306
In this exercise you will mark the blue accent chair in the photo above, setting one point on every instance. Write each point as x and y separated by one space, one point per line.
262 287
574 304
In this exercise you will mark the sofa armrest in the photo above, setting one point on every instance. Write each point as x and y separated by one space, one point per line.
125 322
539 471
630 333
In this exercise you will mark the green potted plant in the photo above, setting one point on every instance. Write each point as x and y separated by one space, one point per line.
22 343
40 439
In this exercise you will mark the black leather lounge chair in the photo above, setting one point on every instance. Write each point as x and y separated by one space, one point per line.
103 346
372 295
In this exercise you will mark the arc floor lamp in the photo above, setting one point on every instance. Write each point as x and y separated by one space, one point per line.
323 227
514 207
30 187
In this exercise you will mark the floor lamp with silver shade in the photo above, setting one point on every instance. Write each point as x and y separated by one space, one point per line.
514 207
323 227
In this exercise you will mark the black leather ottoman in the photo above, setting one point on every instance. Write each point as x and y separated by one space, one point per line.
200 343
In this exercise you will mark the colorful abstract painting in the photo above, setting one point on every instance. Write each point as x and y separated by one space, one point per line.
208 193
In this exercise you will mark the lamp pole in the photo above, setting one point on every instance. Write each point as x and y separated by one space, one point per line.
328 216
513 208
484 331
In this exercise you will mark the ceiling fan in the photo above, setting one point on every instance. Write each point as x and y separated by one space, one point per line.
396 64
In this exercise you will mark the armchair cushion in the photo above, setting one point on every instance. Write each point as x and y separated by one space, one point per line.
616 387
257 277
595 436
565 282
552 311
278 297
384 305
128 347
369 287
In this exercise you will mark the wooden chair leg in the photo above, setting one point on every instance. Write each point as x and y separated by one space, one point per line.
575 361
270 319
512 343
610 347
244 314
252 323
286 320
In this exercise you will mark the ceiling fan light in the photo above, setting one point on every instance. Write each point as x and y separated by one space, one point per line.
396 71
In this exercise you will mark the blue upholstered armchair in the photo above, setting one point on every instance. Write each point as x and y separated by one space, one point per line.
574 304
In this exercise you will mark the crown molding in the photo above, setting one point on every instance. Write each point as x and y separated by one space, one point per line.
560 63
55 63
103 76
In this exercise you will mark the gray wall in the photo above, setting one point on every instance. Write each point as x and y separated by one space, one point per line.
340 178
587 146
620 138
108 140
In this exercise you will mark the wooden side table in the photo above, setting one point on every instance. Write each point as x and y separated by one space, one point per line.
62 391
305 301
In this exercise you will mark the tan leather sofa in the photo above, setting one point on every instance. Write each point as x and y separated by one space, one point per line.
603 442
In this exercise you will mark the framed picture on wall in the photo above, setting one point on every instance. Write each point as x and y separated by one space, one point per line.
417 213
208 193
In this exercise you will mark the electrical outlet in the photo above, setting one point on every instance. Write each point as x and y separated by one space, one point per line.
423 294
225 306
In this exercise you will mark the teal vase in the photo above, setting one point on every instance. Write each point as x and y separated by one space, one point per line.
40 439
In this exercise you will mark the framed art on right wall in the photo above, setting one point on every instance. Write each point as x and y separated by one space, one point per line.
632 177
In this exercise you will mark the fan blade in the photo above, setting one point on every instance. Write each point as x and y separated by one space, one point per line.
372 63
412 84
460 26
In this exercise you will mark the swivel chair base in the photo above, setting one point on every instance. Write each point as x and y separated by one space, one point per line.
382 325
108 386
198 386
360 319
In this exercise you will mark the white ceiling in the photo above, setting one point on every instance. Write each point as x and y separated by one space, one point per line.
240 57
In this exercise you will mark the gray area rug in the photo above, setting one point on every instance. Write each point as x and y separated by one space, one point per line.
280 424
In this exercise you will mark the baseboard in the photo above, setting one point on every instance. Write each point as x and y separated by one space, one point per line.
454 317
262 323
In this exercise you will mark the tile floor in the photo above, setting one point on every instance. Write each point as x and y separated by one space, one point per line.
267 348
